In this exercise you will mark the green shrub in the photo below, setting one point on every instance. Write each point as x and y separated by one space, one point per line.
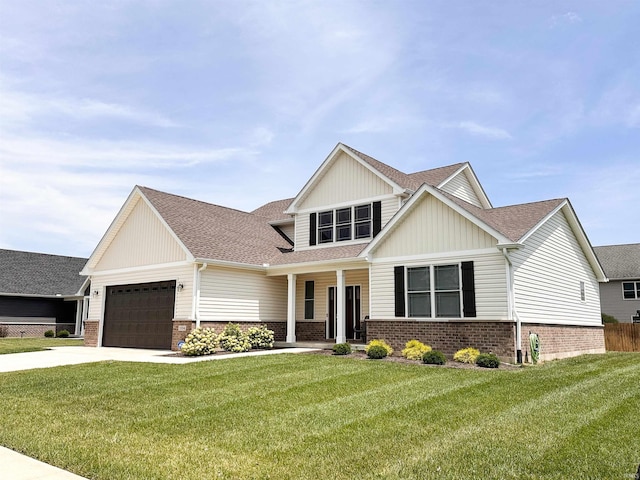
377 352
487 360
434 357
49 334
415 350
63 334
379 343
260 337
609 318
466 355
201 341
4 331
341 349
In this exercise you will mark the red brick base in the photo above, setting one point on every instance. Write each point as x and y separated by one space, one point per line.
310 332
562 341
91 333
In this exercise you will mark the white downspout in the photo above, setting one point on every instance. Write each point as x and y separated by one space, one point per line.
512 305
197 312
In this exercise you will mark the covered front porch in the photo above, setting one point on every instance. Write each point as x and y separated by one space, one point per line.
327 306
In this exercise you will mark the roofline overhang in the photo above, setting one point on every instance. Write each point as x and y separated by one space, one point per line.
37 295
475 184
230 264
319 263
277 223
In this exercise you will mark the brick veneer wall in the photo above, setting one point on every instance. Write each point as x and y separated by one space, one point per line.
91 333
29 329
310 332
448 337
562 341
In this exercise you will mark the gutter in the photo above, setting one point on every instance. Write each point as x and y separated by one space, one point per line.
512 304
197 312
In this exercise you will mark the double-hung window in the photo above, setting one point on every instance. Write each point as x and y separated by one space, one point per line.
630 290
434 291
343 224
325 227
309 296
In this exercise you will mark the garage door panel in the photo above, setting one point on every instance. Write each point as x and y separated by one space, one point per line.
139 315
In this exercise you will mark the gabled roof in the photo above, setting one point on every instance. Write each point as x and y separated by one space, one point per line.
212 232
274 211
40 274
620 261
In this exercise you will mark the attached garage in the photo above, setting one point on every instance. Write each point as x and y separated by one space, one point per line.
139 315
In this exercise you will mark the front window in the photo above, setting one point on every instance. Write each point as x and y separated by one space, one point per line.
631 290
438 298
309 296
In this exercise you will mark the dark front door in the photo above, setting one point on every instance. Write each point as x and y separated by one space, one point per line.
331 317
139 315
352 311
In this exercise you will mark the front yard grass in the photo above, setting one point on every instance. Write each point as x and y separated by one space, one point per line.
314 416
20 345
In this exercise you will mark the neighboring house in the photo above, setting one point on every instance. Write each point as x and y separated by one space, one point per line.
620 297
421 255
40 292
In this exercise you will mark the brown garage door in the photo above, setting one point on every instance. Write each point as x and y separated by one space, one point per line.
139 315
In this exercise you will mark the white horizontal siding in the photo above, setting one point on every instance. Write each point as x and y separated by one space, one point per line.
345 180
288 230
141 240
181 274
433 227
547 276
302 230
461 188
237 295
490 284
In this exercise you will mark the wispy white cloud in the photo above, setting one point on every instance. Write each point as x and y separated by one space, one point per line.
493 133
568 18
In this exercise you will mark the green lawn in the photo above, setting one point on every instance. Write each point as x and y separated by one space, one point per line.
315 416
19 345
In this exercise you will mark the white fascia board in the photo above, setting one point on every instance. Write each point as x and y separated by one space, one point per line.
353 263
406 208
85 284
224 263
277 223
293 206
141 268
467 170
350 203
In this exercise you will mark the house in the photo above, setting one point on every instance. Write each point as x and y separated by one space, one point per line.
40 292
620 297
422 255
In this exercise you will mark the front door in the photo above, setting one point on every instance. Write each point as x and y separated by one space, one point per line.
352 311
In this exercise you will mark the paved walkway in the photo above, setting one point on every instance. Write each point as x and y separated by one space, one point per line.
14 465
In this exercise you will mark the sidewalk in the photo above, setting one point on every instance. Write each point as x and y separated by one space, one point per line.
15 466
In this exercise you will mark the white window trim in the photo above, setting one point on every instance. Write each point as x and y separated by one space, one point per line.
432 290
635 289
334 236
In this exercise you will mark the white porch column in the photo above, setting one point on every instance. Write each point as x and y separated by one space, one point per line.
291 308
341 326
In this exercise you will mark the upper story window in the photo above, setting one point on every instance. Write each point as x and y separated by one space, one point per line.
350 223
631 290
325 227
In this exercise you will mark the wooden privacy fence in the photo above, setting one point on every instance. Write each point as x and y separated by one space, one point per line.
622 337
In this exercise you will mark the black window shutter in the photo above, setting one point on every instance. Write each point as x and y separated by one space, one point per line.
312 229
468 290
377 218
398 281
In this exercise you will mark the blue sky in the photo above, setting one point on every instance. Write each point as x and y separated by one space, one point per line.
238 102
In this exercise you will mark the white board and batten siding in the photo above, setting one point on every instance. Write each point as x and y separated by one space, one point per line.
547 275
461 188
141 240
322 282
434 234
235 295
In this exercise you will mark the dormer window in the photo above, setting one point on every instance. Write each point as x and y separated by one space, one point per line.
344 224
363 221
325 227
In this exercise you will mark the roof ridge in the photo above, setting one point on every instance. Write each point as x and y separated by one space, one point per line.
43 254
618 245
194 200
560 199
437 168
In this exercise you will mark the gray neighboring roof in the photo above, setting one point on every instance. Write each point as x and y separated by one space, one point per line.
274 211
27 273
620 261
212 232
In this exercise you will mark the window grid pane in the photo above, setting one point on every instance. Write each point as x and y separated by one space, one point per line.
343 216
325 219
447 304
363 212
420 305
418 279
343 233
325 235
363 230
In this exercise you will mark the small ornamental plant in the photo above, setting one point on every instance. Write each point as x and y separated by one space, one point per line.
415 350
376 352
341 349
378 343
434 357
466 355
233 340
201 341
49 334
260 337
487 360
63 334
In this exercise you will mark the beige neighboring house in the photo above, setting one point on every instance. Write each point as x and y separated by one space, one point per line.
362 245
620 297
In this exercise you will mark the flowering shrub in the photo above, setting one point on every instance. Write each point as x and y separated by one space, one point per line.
379 343
260 337
466 355
201 341
233 340
415 350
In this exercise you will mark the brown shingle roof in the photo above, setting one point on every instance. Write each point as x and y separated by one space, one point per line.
319 254
217 233
620 261
274 211
512 221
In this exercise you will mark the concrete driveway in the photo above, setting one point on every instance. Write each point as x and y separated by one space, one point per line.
58 356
